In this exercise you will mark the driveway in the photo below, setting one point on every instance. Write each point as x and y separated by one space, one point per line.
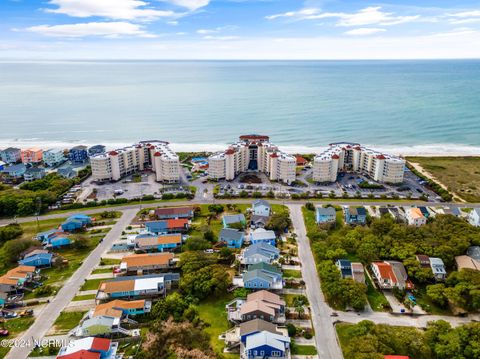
325 336
47 316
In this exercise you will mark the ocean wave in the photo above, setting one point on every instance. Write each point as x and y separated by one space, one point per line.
439 149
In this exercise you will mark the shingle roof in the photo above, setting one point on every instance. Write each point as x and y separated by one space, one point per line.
326 211
172 211
233 218
152 241
139 260
267 296
265 338
265 267
260 202
257 325
231 234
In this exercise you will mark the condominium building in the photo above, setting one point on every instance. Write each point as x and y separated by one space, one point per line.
154 155
252 153
53 157
351 157
11 155
31 155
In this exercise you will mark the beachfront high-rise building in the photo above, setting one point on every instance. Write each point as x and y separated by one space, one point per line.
252 153
154 155
351 157
32 155
53 157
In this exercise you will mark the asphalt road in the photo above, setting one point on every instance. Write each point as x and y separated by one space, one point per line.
325 336
200 199
46 318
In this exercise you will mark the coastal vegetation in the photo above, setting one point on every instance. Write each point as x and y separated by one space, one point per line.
438 341
460 175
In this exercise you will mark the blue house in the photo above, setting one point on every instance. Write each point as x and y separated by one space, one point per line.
11 155
262 276
355 215
78 154
255 326
325 215
157 227
15 171
266 345
40 260
76 222
260 207
345 267
81 217
59 241
158 243
228 220
260 235
96 150
233 237
260 252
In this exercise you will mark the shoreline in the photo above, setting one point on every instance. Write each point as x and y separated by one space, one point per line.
430 150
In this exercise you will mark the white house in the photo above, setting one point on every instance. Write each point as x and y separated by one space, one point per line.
261 207
415 217
474 217
438 268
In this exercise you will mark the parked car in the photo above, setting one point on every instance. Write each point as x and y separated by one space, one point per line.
9 315
26 313
3 332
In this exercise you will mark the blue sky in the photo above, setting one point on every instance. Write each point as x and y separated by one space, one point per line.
238 29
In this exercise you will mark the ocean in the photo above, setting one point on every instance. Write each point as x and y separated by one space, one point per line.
406 107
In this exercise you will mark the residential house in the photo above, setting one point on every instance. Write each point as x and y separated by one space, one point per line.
383 211
260 207
300 160
179 225
237 336
325 215
136 287
415 217
474 217
358 272
39 260
76 222
101 326
31 155
426 213
78 154
230 219
258 221
355 215
140 264
67 172
266 345
438 268
53 157
34 173
345 267
232 237
11 155
96 150
259 252
262 304
15 279
160 243
262 235
54 238
89 348
174 212
423 260
397 214
15 171
471 260
391 274
262 276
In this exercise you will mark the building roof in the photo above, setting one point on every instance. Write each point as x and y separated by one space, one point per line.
386 271
15 168
357 211
474 252
173 211
423 259
81 354
262 248
231 234
127 284
466 262
266 296
260 202
115 307
148 259
233 218
260 234
257 325
325 211
86 345
256 305
265 267
158 240
416 213
266 338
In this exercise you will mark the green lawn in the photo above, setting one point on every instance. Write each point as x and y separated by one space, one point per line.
66 321
213 312
461 175
91 284
83 297
377 300
109 261
292 273
102 270
298 349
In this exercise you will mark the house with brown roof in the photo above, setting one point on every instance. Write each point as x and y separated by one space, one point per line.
174 212
262 305
122 308
358 272
159 243
16 278
140 264
423 260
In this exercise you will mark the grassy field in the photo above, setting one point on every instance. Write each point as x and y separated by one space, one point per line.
66 321
14 327
213 312
292 273
102 270
376 299
91 284
109 261
461 175
298 349
83 297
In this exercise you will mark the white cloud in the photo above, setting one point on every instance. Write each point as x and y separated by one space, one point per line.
473 13
112 9
191 5
464 17
207 31
364 31
220 38
106 29
372 15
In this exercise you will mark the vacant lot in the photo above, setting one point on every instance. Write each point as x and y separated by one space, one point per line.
461 175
